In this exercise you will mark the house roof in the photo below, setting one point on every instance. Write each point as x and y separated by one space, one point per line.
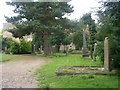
8 26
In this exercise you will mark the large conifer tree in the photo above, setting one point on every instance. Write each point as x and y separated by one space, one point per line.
38 17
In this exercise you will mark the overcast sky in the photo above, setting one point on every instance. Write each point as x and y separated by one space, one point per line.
80 7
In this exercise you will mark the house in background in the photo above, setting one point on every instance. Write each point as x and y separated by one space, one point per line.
28 37
7 34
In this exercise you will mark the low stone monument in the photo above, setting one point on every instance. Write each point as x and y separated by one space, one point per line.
106 55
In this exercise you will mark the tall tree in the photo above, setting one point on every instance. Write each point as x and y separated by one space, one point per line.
109 26
44 17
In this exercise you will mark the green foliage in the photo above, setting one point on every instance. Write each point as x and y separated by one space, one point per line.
37 40
45 17
67 40
108 26
78 39
100 51
6 43
1 42
57 38
62 35
14 48
23 47
78 34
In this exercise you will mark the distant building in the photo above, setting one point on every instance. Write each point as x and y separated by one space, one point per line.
7 34
8 26
28 37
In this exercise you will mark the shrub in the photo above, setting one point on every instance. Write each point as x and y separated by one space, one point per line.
100 51
23 47
5 43
78 39
114 52
14 47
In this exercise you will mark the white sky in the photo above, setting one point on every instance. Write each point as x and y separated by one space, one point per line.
80 7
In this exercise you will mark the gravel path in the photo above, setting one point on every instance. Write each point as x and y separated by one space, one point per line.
20 73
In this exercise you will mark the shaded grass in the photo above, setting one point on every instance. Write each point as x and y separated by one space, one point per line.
8 57
47 79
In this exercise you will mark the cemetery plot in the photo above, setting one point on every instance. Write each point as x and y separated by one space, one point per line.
74 70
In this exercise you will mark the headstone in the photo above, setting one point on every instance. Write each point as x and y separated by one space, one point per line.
53 49
106 55
85 50
67 50
6 50
34 48
94 52
66 47
41 50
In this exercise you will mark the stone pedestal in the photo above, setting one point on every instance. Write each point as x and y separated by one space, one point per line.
106 55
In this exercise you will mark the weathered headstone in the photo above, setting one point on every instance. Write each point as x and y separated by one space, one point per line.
41 50
106 55
94 52
34 48
66 50
6 50
53 49
85 50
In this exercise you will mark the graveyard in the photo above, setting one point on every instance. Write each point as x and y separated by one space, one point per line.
51 80
72 71
76 71
41 47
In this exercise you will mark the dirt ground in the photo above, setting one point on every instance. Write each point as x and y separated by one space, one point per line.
20 73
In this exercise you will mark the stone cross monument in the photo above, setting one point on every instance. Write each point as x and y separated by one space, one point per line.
85 50
106 55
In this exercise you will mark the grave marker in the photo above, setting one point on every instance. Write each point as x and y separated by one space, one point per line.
106 55
85 50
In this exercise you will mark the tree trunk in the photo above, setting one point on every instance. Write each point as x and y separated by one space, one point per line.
46 43
58 48
91 51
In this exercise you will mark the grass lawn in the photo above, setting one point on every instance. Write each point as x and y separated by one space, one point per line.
7 57
47 79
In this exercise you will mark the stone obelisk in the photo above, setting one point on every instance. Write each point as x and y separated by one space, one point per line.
106 55
85 50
